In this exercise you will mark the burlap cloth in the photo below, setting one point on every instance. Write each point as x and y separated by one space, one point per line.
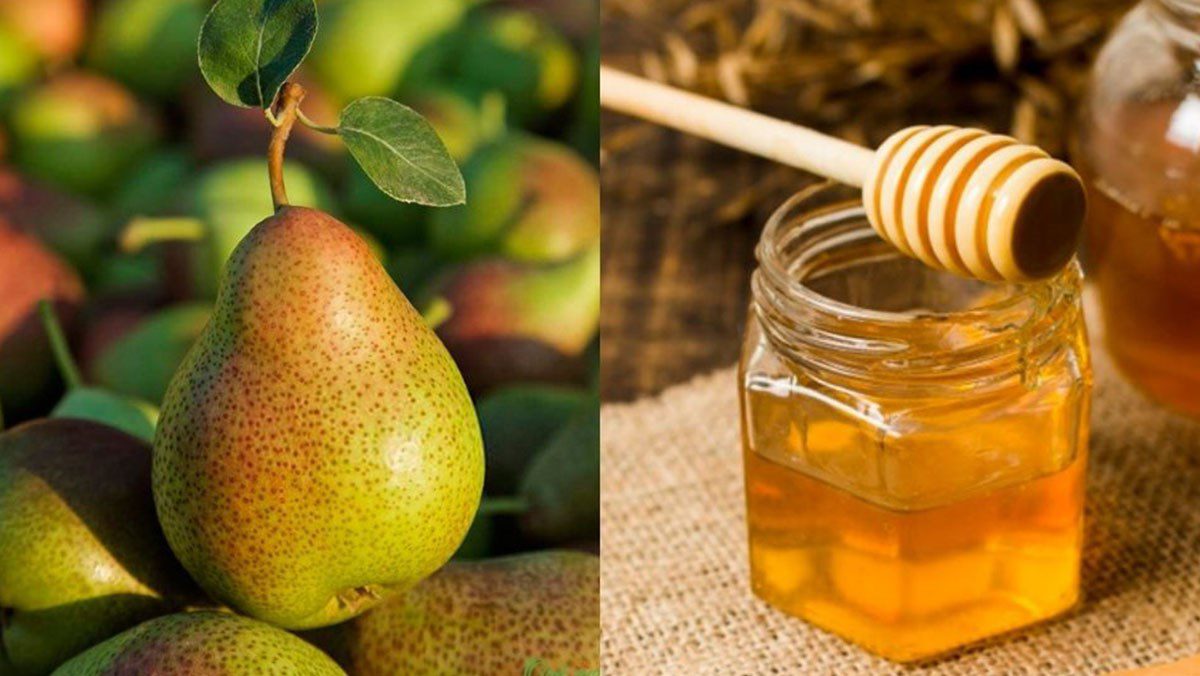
675 596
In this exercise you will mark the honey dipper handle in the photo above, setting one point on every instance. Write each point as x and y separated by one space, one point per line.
736 127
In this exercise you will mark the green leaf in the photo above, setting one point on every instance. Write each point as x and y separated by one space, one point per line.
131 416
249 48
401 153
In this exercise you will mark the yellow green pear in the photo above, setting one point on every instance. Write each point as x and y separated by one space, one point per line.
531 613
81 557
206 643
317 447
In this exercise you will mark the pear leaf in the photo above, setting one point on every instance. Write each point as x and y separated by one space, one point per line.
249 48
98 405
401 153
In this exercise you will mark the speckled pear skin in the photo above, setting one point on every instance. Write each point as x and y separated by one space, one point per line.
202 643
481 618
81 555
317 448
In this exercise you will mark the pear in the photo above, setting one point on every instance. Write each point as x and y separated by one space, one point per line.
500 616
81 556
413 267
54 28
81 132
150 187
522 57
72 227
575 19
29 273
585 129
222 204
230 198
317 447
142 362
18 64
531 200
520 323
365 47
106 318
517 422
150 45
202 642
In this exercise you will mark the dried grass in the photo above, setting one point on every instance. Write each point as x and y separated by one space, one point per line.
863 68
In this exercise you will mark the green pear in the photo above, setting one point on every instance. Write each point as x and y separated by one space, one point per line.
517 421
18 64
317 447
150 187
365 47
511 322
142 362
477 543
413 267
125 274
500 616
54 28
70 226
524 58
531 200
562 483
397 224
585 129
82 132
81 556
578 20
226 200
29 383
202 642
150 45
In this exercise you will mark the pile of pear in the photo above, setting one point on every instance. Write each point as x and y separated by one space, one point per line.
265 434
317 454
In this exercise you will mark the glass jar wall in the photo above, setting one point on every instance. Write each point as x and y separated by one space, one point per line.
914 442
1138 148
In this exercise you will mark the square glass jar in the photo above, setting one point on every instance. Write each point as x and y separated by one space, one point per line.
914 441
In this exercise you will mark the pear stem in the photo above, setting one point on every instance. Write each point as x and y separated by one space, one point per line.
289 104
498 506
58 343
141 232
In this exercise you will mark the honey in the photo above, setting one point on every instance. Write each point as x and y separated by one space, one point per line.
914 442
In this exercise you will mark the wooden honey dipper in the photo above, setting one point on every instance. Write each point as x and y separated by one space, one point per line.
978 204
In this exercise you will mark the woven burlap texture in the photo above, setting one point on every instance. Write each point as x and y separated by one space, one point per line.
675 593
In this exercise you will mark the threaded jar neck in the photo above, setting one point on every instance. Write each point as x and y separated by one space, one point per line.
837 300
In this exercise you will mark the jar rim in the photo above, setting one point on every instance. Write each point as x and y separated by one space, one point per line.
769 261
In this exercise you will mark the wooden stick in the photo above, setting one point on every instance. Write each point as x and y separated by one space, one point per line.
739 128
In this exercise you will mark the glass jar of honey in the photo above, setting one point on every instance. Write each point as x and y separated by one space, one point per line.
914 442
1138 149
